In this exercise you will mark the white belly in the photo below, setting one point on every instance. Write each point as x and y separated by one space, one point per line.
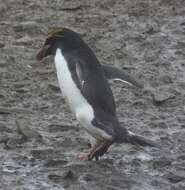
79 105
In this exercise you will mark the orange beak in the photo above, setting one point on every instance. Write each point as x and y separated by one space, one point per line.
41 54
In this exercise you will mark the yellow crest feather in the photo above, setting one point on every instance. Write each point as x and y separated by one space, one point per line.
54 31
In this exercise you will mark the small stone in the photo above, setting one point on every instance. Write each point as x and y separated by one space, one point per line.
166 79
88 177
66 5
4 128
2 45
4 139
181 156
155 182
44 71
25 40
28 26
139 103
61 127
67 175
152 30
21 84
173 178
3 7
54 177
159 123
160 96
42 153
3 63
14 142
55 163
6 110
24 129
5 22
162 162
54 86
182 23
22 90
181 119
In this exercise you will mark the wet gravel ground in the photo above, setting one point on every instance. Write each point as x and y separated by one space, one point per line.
39 137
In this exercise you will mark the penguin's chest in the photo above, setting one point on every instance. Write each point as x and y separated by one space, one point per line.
78 104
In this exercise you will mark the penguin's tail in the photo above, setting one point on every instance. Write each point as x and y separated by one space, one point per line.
139 140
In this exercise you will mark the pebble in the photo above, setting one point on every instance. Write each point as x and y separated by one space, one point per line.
3 6
162 162
159 123
14 142
59 177
55 163
68 174
174 178
42 154
160 96
28 26
22 90
54 177
5 110
61 127
66 5
4 138
54 86
152 29
25 40
3 63
4 128
89 177
23 128
166 79
2 45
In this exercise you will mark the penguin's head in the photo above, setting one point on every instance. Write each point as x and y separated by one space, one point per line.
63 38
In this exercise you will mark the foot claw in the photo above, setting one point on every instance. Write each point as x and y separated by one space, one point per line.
82 157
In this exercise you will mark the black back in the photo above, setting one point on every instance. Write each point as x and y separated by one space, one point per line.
90 78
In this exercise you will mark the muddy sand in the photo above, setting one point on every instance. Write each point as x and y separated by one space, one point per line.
39 137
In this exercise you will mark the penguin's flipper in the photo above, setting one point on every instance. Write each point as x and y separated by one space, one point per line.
92 83
114 73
